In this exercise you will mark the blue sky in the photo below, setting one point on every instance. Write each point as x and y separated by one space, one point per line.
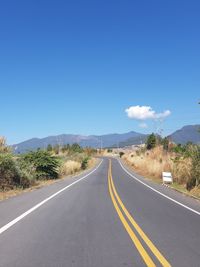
75 66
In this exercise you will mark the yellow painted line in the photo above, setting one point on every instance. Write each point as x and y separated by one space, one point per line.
132 235
148 242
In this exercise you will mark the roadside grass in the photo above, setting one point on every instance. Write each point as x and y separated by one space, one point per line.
17 191
70 167
151 164
41 183
33 169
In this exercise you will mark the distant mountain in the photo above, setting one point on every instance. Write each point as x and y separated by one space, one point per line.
136 140
107 140
189 133
182 136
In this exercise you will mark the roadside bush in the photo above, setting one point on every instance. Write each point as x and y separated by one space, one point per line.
90 151
8 172
11 175
76 148
26 169
56 149
84 163
181 169
46 165
3 147
121 154
151 141
49 148
165 143
195 169
65 148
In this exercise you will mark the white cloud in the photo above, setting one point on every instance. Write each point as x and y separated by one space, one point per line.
143 125
145 113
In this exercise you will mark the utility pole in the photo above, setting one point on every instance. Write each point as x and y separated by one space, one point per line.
101 144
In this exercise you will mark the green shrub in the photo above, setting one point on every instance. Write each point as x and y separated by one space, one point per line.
184 150
165 143
8 172
84 163
121 154
11 175
76 148
49 148
46 166
151 141
26 169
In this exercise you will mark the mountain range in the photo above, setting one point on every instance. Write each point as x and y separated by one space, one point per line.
189 133
182 136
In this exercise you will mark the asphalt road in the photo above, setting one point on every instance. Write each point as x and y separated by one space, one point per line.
106 218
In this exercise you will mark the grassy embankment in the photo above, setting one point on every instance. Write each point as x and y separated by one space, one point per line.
20 173
182 161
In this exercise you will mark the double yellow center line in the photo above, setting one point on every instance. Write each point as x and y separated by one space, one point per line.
128 220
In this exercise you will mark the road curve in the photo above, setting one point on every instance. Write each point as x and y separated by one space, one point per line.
106 218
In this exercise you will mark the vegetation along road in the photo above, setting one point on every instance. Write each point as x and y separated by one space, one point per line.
107 216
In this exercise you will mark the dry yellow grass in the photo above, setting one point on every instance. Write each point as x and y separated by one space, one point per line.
70 167
152 163
3 147
92 162
18 191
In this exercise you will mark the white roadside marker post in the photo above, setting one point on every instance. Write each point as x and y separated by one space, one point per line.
167 178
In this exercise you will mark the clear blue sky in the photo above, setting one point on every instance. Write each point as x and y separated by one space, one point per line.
75 66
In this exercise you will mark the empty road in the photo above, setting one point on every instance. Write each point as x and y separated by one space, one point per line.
106 217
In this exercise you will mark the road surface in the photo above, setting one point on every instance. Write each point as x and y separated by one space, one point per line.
109 217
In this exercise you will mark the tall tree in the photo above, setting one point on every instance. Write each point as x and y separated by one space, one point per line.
151 141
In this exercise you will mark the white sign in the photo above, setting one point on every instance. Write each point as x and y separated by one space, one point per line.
167 177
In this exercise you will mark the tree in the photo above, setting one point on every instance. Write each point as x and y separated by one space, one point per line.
76 148
151 141
56 149
65 148
49 148
165 143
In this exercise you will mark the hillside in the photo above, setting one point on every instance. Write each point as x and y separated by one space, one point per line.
189 133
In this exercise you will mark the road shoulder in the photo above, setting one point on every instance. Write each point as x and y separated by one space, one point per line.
189 201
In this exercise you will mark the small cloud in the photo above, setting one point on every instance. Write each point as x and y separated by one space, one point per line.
143 125
145 113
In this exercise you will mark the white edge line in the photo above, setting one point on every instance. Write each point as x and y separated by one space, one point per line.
11 223
158 192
